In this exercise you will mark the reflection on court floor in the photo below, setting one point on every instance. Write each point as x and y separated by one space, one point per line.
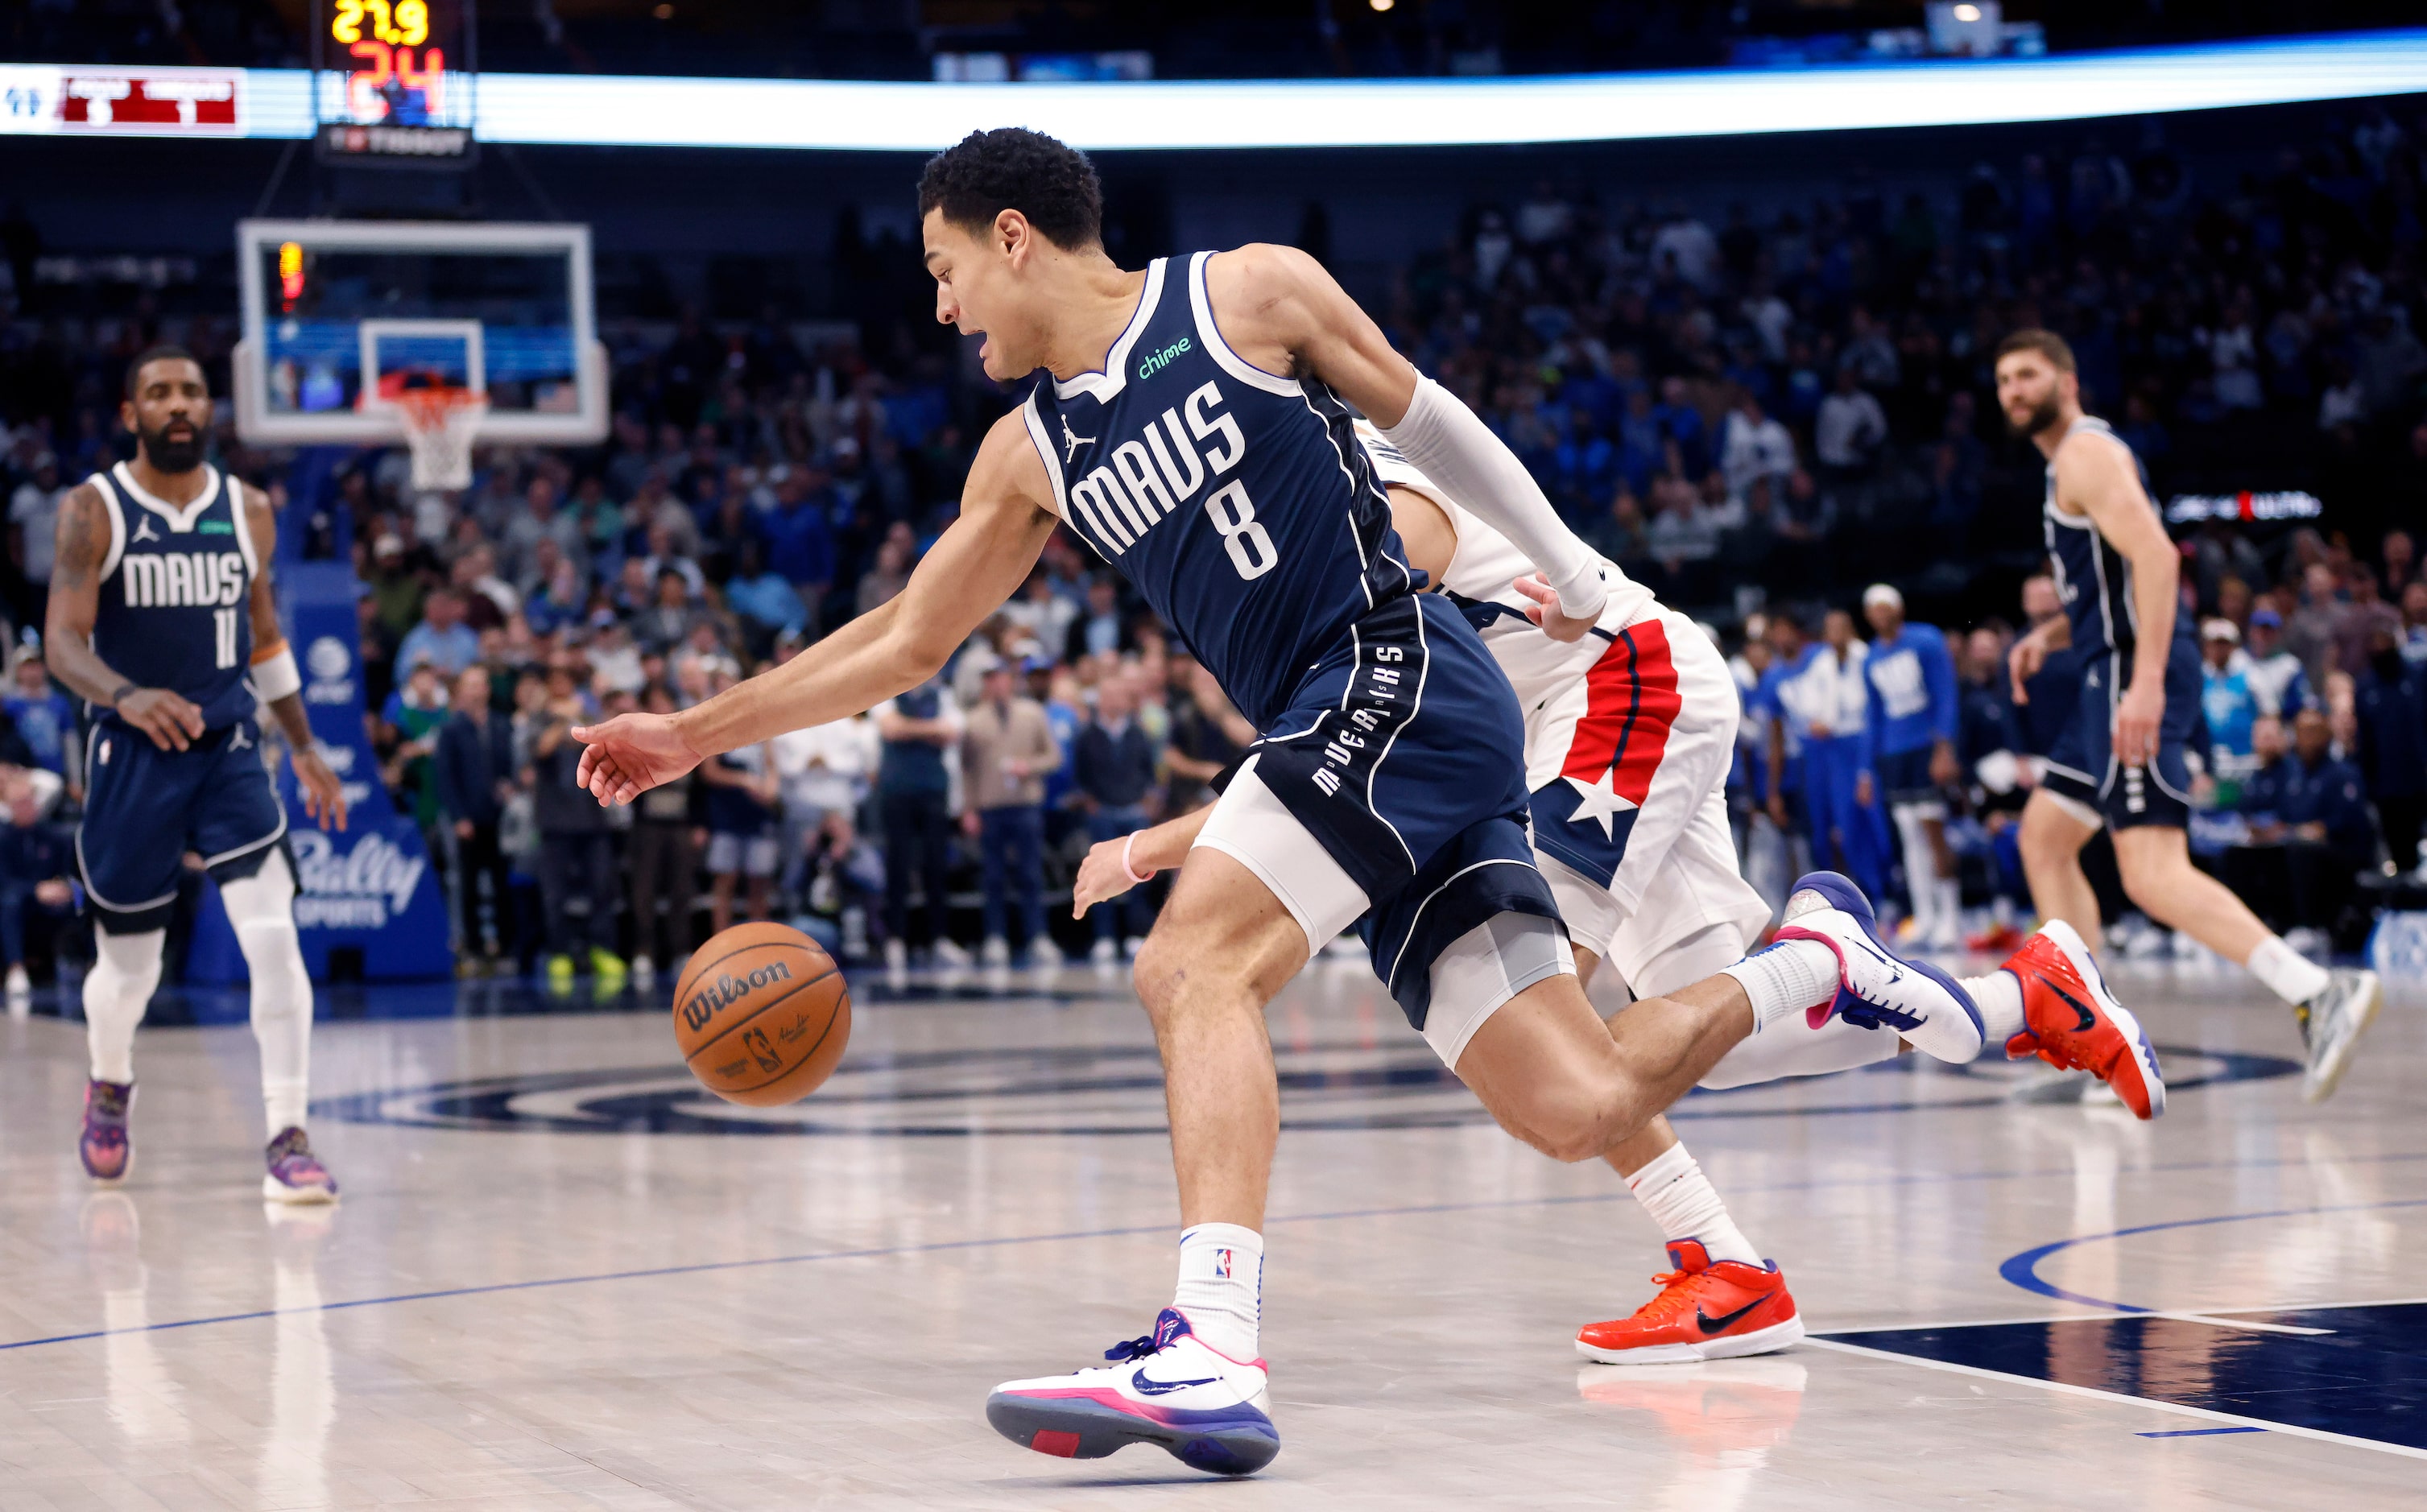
559 1278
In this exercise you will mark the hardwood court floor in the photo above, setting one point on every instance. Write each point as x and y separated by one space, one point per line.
562 1277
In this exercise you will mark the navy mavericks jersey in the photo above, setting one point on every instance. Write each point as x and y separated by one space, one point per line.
2092 580
1238 502
176 585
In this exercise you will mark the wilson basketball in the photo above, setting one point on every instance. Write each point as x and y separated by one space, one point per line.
761 1015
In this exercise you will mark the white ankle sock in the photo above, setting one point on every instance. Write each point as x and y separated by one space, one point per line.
2288 973
1681 1199
1999 998
1787 978
1222 1286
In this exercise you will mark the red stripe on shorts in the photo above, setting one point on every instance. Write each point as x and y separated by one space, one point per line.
1631 702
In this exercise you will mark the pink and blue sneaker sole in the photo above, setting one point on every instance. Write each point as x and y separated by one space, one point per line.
1082 1424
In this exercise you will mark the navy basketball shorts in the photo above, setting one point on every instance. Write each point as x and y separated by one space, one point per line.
1903 778
1393 790
145 808
2081 766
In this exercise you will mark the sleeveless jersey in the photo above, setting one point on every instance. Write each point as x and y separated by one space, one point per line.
176 585
2092 580
1237 502
1484 564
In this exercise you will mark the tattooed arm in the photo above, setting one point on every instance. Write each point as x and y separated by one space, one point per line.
171 721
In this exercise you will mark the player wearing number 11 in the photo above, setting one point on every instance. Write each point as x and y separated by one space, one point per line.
161 618
1193 422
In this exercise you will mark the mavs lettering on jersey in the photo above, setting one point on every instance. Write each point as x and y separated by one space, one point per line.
160 580
1238 501
175 585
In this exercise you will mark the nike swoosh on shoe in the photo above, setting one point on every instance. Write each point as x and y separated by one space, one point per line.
1711 1325
2089 1019
1150 1387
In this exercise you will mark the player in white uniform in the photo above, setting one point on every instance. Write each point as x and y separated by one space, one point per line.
1629 734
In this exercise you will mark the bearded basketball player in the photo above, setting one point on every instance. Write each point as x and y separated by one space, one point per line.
162 620
2120 761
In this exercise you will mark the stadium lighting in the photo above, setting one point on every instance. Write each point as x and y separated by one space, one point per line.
838 115
1967 14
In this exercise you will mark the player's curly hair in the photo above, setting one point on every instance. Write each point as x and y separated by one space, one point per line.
987 172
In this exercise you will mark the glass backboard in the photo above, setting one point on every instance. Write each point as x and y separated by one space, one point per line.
340 315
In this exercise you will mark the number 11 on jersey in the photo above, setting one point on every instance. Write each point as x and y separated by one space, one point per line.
224 624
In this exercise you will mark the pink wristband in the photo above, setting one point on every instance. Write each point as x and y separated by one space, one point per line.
1128 871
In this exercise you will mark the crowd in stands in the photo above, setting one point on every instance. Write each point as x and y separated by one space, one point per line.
1758 420
2309 764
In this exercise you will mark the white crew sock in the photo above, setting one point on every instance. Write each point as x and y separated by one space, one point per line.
2288 973
1787 978
1999 998
1681 1199
1836 1046
116 991
1222 1286
262 909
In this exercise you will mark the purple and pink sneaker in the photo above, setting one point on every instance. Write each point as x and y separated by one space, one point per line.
104 1146
296 1175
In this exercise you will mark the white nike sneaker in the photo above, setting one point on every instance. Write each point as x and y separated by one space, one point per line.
1169 1387
1878 988
2332 1022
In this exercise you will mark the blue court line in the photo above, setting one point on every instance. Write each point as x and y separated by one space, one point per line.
2195 1432
2023 1270
946 1246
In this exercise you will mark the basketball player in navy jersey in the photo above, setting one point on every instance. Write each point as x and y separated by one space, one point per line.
162 619
2120 761
1192 424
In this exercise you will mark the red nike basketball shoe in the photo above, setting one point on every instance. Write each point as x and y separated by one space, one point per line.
1706 1310
2074 1022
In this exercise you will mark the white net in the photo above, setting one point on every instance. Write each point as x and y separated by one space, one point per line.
439 427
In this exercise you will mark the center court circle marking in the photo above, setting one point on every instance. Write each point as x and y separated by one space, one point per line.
1082 1091
2023 1270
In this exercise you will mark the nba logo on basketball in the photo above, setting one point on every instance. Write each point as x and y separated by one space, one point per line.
1222 1264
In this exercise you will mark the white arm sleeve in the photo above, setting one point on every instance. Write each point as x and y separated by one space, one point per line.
1441 435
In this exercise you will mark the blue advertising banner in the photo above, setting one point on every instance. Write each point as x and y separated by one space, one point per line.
373 888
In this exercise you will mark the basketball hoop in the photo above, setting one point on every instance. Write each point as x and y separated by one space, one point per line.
439 425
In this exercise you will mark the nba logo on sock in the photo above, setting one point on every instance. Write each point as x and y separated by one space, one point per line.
1222 1264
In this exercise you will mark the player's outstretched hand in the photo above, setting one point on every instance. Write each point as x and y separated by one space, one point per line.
1545 611
629 755
172 723
325 796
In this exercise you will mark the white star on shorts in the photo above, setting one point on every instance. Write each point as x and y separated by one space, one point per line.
1598 801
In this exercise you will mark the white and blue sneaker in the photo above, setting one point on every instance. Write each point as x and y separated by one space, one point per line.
1169 1387
1878 988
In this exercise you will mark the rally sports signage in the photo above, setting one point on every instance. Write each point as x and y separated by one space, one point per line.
373 889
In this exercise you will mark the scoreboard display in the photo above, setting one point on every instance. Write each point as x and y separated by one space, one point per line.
394 82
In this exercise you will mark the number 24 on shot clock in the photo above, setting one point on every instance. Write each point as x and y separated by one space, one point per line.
384 36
